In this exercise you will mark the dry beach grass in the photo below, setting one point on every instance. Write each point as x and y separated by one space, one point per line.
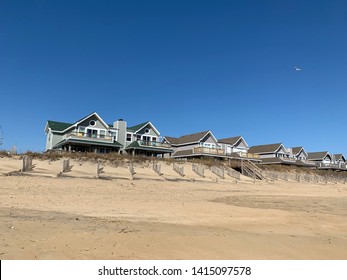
76 216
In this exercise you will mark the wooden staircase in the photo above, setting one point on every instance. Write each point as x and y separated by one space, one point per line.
249 169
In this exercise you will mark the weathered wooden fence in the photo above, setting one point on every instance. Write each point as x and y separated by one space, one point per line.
66 165
157 167
132 170
218 171
27 164
99 169
233 173
179 169
198 169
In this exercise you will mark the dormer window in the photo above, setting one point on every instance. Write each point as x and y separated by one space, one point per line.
92 123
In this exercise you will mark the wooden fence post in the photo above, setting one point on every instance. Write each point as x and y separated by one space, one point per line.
198 169
218 171
27 164
99 169
66 167
156 167
178 169
131 170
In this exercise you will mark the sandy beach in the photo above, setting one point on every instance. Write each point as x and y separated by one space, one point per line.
77 216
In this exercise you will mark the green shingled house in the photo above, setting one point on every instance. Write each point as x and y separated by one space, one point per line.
93 134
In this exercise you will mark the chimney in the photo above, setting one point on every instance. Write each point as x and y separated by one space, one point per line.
121 125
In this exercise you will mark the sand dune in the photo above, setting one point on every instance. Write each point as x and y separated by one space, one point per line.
76 216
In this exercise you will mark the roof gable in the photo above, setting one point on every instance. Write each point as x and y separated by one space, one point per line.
268 148
339 157
234 141
138 127
86 117
298 150
190 138
318 155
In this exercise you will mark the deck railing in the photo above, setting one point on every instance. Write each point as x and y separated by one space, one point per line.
248 155
153 144
331 165
90 136
212 151
288 159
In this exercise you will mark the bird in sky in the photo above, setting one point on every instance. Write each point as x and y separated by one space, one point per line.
297 68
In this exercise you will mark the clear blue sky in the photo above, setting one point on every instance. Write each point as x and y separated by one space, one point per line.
187 66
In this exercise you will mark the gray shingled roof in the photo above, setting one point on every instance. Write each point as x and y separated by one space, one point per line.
339 156
296 150
189 138
317 155
230 140
269 148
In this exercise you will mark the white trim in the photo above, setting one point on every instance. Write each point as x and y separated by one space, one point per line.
82 120
216 140
198 141
153 127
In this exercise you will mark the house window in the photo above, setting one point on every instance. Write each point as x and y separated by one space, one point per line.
92 123
146 138
146 130
138 137
113 134
81 130
154 139
128 137
208 145
92 133
102 133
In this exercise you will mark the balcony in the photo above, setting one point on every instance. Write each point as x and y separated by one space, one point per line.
331 165
248 155
210 151
89 136
153 144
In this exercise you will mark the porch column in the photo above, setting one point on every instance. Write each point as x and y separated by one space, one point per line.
69 148
133 152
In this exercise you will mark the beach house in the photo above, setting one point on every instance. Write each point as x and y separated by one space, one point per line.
93 134
275 153
321 159
89 134
143 139
196 145
339 160
233 145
